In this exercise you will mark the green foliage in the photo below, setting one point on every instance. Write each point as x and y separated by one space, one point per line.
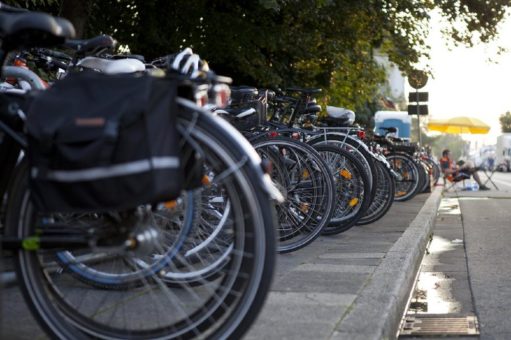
438 143
43 5
505 122
473 16
279 43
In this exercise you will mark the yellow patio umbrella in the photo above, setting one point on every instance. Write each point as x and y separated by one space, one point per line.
458 125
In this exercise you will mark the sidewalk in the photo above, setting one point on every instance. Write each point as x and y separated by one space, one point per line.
351 286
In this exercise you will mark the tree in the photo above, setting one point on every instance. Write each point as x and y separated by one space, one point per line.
76 11
31 4
278 43
455 143
317 43
505 122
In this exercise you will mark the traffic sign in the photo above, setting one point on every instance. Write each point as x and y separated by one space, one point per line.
418 97
414 109
417 79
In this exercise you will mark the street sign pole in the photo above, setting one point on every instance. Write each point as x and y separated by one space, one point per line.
418 117
417 80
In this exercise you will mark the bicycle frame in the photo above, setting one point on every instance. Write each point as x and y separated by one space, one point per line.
13 142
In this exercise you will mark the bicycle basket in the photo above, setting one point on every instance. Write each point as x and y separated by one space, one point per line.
99 143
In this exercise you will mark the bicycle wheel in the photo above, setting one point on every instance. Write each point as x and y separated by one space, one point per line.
408 186
384 197
224 307
355 147
435 170
351 184
204 253
424 175
208 247
89 267
307 183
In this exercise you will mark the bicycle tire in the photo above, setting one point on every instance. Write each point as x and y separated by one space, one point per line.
308 209
405 165
351 144
435 168
384 196
233 306
352 187
424 174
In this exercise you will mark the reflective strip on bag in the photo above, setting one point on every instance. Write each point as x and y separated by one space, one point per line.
117 170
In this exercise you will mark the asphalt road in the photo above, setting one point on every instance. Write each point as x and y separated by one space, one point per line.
466 271
487 227
483 268
501 179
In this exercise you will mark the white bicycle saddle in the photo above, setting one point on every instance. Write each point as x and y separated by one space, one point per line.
341 113
112 66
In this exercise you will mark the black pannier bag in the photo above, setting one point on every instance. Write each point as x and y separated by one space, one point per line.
100 143
244 98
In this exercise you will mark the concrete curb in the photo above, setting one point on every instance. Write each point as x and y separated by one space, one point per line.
377 311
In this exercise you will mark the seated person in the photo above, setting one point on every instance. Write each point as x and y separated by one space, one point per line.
460 171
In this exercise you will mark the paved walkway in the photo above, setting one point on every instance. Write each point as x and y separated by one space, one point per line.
317 290
349 286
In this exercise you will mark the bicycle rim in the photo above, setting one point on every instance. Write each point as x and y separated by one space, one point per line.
221 307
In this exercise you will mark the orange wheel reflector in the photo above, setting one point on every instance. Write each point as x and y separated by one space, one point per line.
345 174
304 207
353 202
170 204
305 174
205 180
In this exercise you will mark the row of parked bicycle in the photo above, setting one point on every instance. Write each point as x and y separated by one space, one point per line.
134 210
332 175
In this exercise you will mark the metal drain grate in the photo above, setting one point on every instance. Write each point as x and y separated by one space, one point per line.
416 325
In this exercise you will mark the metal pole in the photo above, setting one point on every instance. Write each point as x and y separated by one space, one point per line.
418 117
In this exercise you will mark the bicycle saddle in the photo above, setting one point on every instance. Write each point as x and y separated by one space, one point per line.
92 45
21 29
313 108
340 116
112 66
389 129
129 56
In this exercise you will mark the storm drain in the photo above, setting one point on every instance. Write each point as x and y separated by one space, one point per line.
430 326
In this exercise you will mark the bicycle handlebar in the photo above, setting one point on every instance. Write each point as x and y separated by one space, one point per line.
54 54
